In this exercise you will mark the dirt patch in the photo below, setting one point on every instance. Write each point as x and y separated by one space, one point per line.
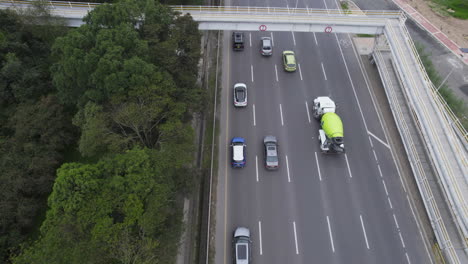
456 29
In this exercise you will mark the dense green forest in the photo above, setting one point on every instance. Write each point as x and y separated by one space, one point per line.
95 135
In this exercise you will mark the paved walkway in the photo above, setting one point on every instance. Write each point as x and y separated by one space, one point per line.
429 27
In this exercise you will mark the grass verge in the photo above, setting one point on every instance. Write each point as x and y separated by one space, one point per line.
455 8
458 106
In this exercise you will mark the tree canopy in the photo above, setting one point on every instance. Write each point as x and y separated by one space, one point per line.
119 88
115 211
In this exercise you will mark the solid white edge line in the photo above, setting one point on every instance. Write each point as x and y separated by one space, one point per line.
281 113
272 42
287 168
256 166
378 139
255 123
318 167
295 238
307 109
316 43
364 231
250 37
352 84
260 236
276 72
294 39
251 71
323 70
331 236
300 72
419 227
349 168
385 187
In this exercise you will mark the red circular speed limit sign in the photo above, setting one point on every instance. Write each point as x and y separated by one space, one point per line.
262 27
328 29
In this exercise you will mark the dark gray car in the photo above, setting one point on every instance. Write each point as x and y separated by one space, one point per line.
266 46
241 246
271 152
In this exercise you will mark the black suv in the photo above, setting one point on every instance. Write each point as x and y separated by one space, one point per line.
238 40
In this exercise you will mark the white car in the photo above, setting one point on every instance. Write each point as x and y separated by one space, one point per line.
241 246
240 95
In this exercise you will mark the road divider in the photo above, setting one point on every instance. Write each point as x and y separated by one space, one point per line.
364 231
251 72
281 113
256 166
254 123
300 72
331 235
276 72
260 236
323 70
295 237
347 164
318 167
307 110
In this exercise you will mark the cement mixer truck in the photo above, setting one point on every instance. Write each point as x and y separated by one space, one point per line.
331 133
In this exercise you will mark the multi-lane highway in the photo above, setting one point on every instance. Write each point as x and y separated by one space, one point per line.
350 208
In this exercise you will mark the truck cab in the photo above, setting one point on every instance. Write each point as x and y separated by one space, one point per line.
323 105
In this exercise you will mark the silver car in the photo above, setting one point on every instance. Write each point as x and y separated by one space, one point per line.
271 152
266 46
241 246
240 95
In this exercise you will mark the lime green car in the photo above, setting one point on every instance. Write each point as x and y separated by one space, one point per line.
289 61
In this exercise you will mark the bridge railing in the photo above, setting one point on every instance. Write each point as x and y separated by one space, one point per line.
282 11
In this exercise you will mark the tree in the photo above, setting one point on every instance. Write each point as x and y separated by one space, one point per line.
116 211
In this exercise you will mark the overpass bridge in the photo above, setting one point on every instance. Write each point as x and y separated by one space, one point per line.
444 139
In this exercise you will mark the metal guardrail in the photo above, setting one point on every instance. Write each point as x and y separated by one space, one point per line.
443 107
440 160
421 179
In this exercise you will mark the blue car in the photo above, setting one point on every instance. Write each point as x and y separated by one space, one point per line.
238 152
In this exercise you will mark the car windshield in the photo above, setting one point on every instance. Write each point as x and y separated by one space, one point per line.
241 251
272 159
240 94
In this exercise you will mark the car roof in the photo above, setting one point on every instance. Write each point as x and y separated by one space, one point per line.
238 152
266 41
290 58
242 231
267 139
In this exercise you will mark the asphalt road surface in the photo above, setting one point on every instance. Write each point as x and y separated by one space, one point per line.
316 208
